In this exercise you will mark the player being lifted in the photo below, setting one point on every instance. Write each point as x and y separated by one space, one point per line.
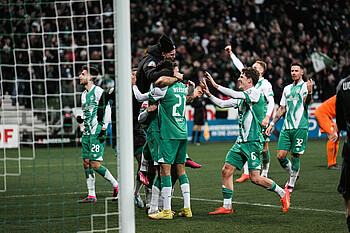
265 88
92 141
294 105
249 143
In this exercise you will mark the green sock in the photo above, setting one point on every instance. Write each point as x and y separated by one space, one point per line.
273 187
295 164
227 193
88 172
266 157
101 170
157 182
166 181
183 179
283 162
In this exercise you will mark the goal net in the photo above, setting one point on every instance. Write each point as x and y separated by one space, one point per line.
43 45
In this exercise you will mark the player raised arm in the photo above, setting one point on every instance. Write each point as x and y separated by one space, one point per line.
281 111
239 65
216 101
308 97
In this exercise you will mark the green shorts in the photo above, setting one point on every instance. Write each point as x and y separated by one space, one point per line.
92 148
293 140
151 148
172 151
245 151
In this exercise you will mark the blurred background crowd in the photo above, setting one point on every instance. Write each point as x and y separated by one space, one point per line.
277 32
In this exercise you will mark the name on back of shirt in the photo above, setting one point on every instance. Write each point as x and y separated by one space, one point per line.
180 89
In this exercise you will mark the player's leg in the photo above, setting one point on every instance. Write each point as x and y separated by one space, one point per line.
284 145
233 161
89 172
245 174
156 187
199 133
194 131
265 159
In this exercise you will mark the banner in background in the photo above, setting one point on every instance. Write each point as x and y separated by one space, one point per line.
9 136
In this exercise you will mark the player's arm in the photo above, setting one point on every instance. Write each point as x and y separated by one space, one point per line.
308 97
226 91
239 65
144 115
152 74
192 92
270 106
167 81
103 102
216 101
280 113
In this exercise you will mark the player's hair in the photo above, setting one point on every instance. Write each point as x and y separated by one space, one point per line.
166 65
297 64
252 73
93 72
263 65
134 69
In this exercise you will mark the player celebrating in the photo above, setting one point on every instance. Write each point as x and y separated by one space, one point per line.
92 144
249 143
294 104
265 88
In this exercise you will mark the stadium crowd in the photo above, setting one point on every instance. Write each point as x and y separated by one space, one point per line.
275 32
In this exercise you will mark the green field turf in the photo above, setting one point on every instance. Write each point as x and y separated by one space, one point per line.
43 198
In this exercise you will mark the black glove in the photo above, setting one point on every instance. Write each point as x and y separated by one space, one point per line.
80 120
102 136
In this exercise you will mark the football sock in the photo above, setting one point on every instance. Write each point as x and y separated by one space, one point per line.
193 136
227 194
199 136
143 166
148 194
90 181
185 189
332 150
187 157
348 222
265 162
155 195
277 189
245 168
105 173
166 191
138 186
286 164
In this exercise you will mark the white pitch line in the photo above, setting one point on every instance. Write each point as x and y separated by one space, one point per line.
201 199
265 205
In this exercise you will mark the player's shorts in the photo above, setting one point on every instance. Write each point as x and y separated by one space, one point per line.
344 183
293 140
92 148
245 151
172 151
151 148
326 123
198 119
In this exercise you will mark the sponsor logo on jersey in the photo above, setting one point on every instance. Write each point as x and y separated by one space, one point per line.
152 63
249 91
346 86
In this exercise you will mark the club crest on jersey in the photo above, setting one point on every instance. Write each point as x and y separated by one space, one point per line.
152 63
248 91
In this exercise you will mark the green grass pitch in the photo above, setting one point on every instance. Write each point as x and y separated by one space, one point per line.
43 197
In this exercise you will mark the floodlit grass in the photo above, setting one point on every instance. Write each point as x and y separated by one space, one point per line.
43 197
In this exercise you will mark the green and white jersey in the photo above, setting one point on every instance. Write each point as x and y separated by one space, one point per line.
296 116
265 88
151 124
172 121
89 105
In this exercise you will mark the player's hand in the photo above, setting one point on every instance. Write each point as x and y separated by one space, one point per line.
205 88
268 130
102 136
178 75
80 119
309 85
333 137
228 49
152 107
265 121
211 80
